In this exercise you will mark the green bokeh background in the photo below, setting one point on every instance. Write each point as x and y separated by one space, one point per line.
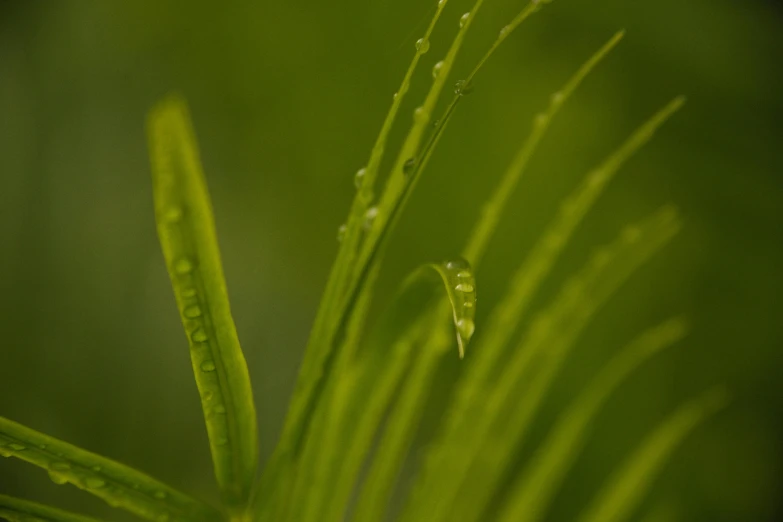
287 98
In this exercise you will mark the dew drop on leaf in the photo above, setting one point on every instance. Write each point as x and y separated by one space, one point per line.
422 45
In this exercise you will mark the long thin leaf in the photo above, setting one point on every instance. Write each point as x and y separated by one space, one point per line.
119 485
630 483
18 510
366 387
187 235
532 493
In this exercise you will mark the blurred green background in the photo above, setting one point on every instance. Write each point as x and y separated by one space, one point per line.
287 98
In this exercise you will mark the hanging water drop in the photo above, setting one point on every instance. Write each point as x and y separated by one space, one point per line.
422 45
17 447
441 3
369 217
464 20
358 179
557 98
466 328
341 232
188 293
437 68
219 409
208 366
505 31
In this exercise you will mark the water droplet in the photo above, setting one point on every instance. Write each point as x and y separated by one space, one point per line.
409 166
369 217
160 495
468 304
557 98
188 293
220 409
208 366
504 32
94 483
191 312
358 179
172 215
419 114
183 266
437 68
5 453
422 45
199 336
58 478
541 119
441 3
341 232
458 264
463 87
396 94
17 447
464 287
466 328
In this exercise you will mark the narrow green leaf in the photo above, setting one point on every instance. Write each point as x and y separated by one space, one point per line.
493 209
18 510
629 484
463 468
547 249
361 396
119 485
533 491
321 343
187 235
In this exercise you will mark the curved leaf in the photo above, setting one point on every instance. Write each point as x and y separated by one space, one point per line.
119 485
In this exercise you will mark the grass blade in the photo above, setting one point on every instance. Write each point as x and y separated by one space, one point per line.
330 313
119 485
531 494
540 261
18 510
362 395
187 236
462 471
493 209
631 482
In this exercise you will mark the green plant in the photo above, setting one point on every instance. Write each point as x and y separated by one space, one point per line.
359 398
